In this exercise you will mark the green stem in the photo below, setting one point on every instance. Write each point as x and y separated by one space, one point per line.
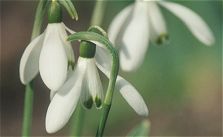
29 92
97 19
109 96
103 120
28 109
98 12
77 122
97 16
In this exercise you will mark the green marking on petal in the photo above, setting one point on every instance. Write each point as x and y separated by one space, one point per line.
88 103
71 64
163 38
98 102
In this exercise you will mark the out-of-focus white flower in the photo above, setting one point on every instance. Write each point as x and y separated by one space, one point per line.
135 25
49 54
85 84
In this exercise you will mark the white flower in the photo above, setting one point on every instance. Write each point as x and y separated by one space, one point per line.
49 54
86 85
142 21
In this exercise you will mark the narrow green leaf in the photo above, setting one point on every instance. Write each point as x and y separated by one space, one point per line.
68 5
141 130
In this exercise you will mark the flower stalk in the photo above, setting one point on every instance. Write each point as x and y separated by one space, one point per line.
77 122
98 15
98 12
29 92
54 13
96 19
92 36
40 12
28 109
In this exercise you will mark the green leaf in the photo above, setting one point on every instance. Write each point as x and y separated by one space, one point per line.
68 5
141 130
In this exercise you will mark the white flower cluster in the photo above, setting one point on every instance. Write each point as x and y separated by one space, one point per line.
131 30
50 54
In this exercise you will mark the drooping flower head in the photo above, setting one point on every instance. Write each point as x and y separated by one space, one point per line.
141 22
49 53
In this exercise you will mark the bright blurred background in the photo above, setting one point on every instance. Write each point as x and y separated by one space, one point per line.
181 82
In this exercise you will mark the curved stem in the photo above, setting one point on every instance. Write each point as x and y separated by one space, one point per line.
29 92
96 19
92 36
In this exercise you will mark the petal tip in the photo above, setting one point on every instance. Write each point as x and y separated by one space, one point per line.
51 129
129 65
23 82
146 112
143 111
210 42
162 38
22 79
52 123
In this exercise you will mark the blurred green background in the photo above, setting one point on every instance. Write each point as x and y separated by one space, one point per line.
181 81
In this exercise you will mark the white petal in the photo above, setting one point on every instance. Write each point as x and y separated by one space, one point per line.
132 96
92 88
68 29
29 63
52 93
67 44
192 20
70 53
118 22
53 58
157 22
129 93
94 81
103 57
133 38
65 100
86 97
69 75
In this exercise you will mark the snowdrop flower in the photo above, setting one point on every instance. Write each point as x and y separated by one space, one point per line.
85 84
50 54
142 21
